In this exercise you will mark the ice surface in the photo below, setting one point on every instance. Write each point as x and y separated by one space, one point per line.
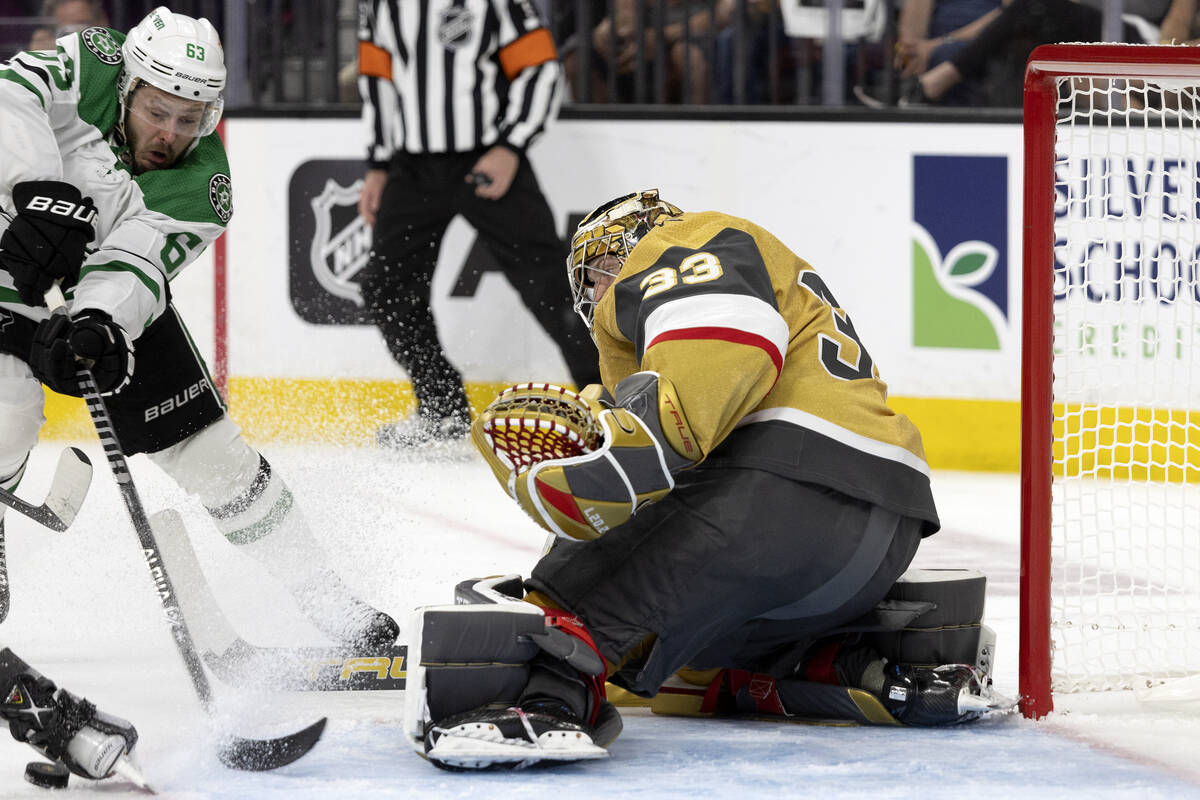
403 531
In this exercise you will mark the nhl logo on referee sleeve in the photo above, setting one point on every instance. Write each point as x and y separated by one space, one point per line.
100 43
454 30
220 194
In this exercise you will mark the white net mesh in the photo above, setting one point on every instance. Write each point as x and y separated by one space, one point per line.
1126 493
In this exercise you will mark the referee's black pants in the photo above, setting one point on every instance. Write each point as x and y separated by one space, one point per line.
423 194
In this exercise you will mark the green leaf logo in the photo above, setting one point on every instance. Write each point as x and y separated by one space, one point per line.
947 311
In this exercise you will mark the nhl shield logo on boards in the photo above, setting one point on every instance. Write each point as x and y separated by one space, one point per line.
341 242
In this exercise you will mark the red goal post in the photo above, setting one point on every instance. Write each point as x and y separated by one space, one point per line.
1109 438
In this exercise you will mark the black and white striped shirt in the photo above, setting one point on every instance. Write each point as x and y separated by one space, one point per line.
451 76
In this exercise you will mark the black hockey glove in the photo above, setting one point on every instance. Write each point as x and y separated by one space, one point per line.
61 345
46 240
64 727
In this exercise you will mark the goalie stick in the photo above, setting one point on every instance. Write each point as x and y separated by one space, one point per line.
243 665
235 752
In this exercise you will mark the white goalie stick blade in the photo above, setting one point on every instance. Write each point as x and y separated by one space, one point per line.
479 745
210 629
238 663
68 488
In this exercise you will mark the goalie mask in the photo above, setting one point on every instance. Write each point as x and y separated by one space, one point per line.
603 241
181 56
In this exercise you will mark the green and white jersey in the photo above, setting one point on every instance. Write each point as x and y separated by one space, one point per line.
59 113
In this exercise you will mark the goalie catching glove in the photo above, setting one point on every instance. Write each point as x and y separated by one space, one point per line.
580 464
46 241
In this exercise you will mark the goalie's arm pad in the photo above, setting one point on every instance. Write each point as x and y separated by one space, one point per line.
647 441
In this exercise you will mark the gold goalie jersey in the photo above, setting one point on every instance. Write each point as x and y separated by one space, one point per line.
768 367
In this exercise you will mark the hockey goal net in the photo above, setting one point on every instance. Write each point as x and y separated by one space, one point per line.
1110 459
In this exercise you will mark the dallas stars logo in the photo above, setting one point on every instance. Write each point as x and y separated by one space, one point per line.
220 194
101 45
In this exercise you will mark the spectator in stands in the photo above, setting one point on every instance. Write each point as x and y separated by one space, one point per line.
758 34
930 32
69 16
1023 24
687 40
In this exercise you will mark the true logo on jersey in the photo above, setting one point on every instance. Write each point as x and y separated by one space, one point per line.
220 194
960 251
100 43
455 27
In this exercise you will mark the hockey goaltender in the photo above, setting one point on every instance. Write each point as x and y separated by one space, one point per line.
732 515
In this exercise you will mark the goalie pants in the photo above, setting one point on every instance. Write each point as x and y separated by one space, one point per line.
423 194
732 567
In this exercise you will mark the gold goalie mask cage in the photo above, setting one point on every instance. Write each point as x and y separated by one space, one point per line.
613 229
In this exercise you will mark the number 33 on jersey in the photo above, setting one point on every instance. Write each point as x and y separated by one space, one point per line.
751 337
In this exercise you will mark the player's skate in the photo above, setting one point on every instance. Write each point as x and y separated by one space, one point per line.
419 430
512 738
935 695
341 616
69 729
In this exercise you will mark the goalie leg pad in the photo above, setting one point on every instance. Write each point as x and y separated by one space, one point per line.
498 682
466 656
951 631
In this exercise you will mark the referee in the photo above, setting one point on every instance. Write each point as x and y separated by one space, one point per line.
454 92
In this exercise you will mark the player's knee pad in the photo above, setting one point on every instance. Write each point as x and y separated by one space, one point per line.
21 415
233 481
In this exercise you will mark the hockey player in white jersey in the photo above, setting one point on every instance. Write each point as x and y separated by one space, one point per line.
112 181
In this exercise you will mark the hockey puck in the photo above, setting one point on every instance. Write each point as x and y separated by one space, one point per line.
47 775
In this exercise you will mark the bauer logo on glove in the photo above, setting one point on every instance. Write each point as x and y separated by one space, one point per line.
580 465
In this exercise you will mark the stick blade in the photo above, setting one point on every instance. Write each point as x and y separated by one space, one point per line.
260 755
71 481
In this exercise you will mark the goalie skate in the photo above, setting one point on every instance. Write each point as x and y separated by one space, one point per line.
510 738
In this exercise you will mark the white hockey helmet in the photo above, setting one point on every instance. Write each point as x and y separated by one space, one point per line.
613 229
180 55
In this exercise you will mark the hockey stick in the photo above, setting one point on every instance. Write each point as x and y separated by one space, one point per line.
235 752
308 669
241 664
68 488
5 591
